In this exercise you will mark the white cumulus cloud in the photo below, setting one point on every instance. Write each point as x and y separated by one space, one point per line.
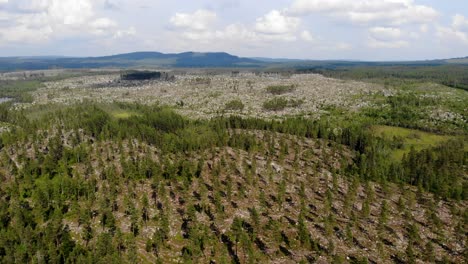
388 12
460 22
385 33
200 26
71 12
101 26
396 44
199 20
456 33
29 21
125 33
307 36
276 23
388 37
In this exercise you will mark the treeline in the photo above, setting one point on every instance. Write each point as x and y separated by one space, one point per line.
402 110
439 170
142 75
172 133
18 90
449 75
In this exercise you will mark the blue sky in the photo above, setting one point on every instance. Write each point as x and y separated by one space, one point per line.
307 29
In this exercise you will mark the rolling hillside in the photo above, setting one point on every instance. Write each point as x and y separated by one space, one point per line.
136 59
199 59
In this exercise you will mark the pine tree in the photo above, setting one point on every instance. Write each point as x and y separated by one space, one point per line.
144 210
87 232
383 217
303 232
429 255
410 255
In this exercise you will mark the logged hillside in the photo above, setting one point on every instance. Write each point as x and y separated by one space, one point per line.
83 185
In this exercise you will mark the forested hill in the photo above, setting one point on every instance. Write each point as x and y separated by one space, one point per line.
136 59
199 59
80 185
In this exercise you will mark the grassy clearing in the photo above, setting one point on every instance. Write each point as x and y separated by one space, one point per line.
119 111
123 114
19 90
409 138
114 110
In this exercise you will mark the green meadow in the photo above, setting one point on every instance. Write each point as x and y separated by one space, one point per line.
410 138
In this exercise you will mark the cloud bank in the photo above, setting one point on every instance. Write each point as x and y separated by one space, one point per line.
300 28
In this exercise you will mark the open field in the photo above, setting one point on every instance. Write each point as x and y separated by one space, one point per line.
409 138
123 114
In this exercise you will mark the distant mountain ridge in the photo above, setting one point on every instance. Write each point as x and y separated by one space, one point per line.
193 60
134 59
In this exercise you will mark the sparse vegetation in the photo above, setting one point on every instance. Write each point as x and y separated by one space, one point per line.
234 105
19 90
280 103
280 89
276 104
108 175
405 139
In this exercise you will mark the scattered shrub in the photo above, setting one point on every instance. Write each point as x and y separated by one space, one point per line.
143 75
275 104
278 104
234 105
295 102
280 89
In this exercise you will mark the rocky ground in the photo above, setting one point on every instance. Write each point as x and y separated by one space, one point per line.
202 95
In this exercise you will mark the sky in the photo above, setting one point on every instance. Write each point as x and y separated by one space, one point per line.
372 30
